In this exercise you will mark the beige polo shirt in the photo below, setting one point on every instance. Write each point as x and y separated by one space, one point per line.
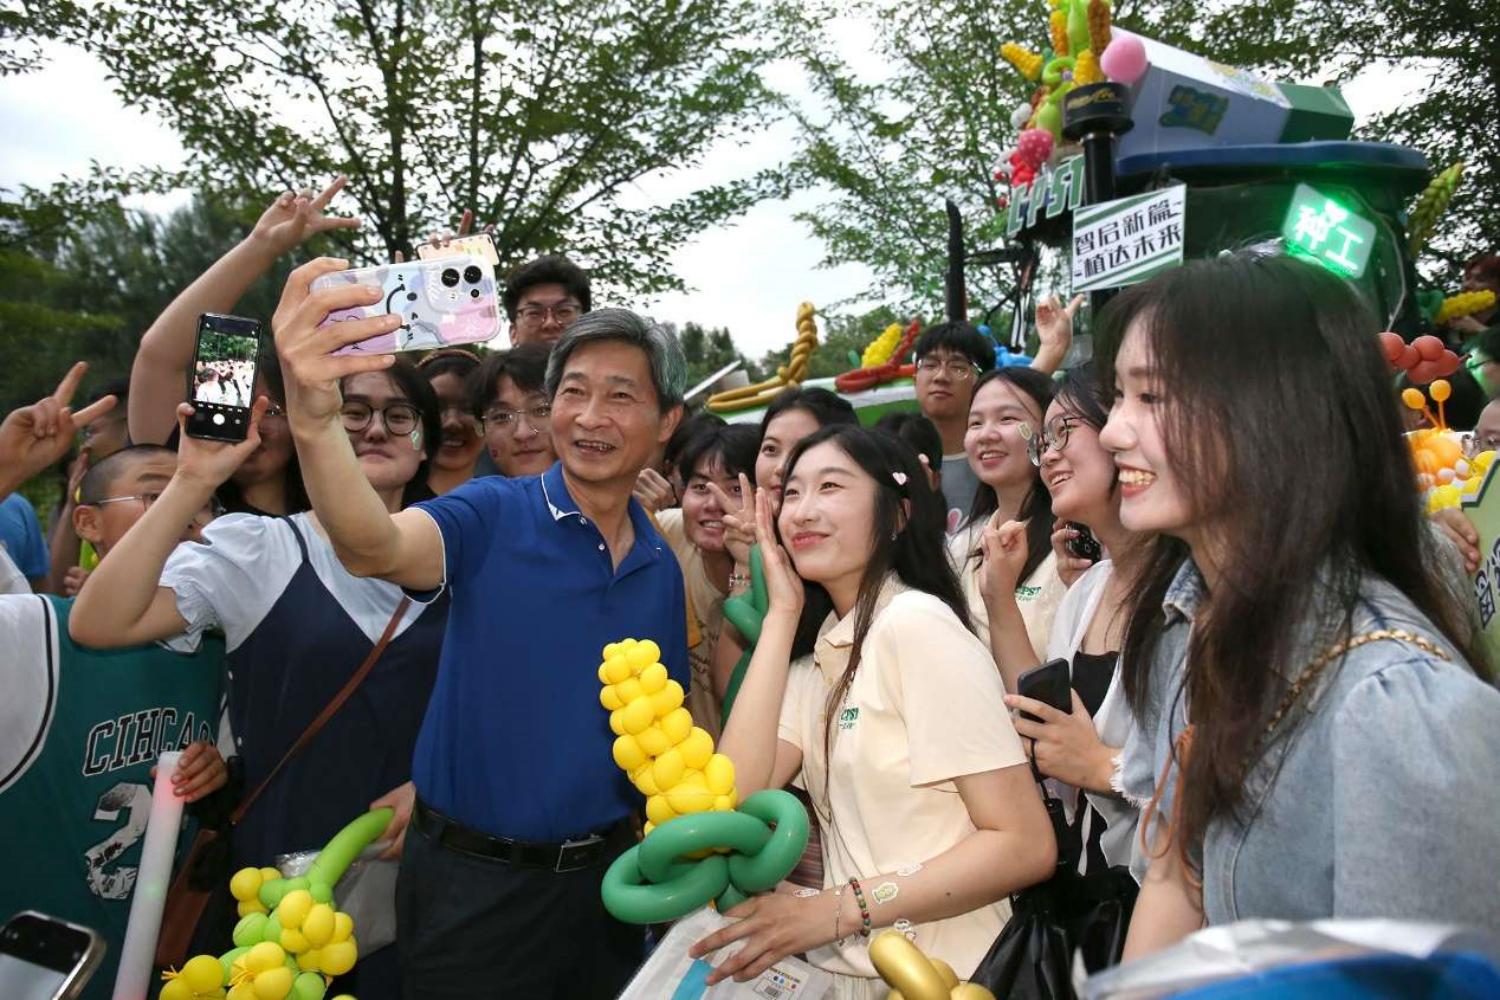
706 605
924 708
1038 596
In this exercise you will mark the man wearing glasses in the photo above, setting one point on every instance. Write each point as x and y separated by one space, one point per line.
950 356
510 399
80 729
542 299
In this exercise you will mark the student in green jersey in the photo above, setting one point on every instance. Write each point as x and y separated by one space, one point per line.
80 729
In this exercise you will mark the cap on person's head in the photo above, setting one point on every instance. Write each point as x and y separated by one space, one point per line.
552 269
663 354
960 337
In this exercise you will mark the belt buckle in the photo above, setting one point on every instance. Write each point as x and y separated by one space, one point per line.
562 853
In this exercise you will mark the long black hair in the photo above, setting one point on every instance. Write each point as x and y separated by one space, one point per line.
1283 427
1036 509
906 507
229 493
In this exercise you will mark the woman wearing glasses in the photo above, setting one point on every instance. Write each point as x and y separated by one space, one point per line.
1012 513
509 398
297 626
1079 749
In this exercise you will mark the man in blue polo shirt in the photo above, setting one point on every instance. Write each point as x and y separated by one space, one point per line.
516 806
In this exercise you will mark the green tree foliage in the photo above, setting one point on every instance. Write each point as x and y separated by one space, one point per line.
88 291
545 116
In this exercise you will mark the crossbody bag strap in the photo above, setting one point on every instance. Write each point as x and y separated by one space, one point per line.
316 725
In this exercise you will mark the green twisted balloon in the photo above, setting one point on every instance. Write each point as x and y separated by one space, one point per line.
746 612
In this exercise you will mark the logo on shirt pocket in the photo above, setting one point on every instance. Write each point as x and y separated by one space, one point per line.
848 717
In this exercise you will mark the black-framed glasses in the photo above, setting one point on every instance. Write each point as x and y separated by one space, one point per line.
564 312
399 418
506 421
1053 435
958 368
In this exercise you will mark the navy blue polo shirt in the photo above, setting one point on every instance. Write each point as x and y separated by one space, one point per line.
515 741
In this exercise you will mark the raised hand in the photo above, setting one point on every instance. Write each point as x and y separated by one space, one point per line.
297 216
211 463
311 369
1069 566
1005 552
783 585
739 520
653 491
36 436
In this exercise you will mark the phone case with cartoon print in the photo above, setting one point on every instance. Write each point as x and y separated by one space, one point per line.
443 302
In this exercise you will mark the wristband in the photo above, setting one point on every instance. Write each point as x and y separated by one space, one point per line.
864 911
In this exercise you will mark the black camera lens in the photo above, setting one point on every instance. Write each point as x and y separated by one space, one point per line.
472 274
473 293
450 277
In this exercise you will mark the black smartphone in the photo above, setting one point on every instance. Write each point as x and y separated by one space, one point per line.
1049 684
223 377
44 958
1083 545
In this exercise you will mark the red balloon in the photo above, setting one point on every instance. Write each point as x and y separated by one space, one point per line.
1391 345
1424 372
1409 358
1429 347
1447 364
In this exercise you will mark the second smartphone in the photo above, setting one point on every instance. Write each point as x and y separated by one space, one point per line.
222 382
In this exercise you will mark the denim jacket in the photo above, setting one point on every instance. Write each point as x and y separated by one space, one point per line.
1377 797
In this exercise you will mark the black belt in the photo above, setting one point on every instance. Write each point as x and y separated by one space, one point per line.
564 856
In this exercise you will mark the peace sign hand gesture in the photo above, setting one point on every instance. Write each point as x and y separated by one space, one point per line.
36 436
295 217
739 519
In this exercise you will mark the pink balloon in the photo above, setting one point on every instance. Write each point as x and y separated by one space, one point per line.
1124 60
1391 345
1429 347
1409 358
1423 372
1447 364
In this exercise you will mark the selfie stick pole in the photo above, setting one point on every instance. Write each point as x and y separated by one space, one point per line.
139 950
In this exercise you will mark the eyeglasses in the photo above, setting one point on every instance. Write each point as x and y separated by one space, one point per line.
146 499
563 312
399 418
1054 436
956 368
507 421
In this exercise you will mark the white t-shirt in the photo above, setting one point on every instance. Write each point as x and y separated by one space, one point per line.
925 707
706 601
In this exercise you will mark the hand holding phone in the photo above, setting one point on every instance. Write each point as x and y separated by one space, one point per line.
44 958
441 303
1049 684
1083 544
222 386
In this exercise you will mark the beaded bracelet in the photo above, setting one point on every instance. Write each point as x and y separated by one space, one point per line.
737 580
864 911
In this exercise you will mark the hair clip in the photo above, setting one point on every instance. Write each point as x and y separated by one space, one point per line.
899 477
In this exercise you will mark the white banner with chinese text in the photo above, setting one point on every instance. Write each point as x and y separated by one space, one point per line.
1128 240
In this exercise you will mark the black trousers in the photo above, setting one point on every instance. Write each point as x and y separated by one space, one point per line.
468 927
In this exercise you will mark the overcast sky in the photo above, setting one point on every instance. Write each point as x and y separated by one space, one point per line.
748 276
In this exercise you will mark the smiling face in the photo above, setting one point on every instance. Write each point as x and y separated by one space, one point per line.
606 422
994 441
827 518
702 515
389 461
1151 499
1080 474
783 433
521 443
461 441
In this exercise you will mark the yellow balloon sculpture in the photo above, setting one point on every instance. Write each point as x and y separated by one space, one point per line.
913 976
671 761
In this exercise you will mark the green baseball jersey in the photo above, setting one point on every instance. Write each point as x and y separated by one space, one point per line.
80 730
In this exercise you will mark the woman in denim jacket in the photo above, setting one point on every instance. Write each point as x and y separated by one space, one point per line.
1315 736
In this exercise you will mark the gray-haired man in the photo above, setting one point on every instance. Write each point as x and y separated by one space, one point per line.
516 806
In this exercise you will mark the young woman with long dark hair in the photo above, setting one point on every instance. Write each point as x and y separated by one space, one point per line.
1004 415
1314 732
869 687
1079 749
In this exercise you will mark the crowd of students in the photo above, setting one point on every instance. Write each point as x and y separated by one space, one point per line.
1279 703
